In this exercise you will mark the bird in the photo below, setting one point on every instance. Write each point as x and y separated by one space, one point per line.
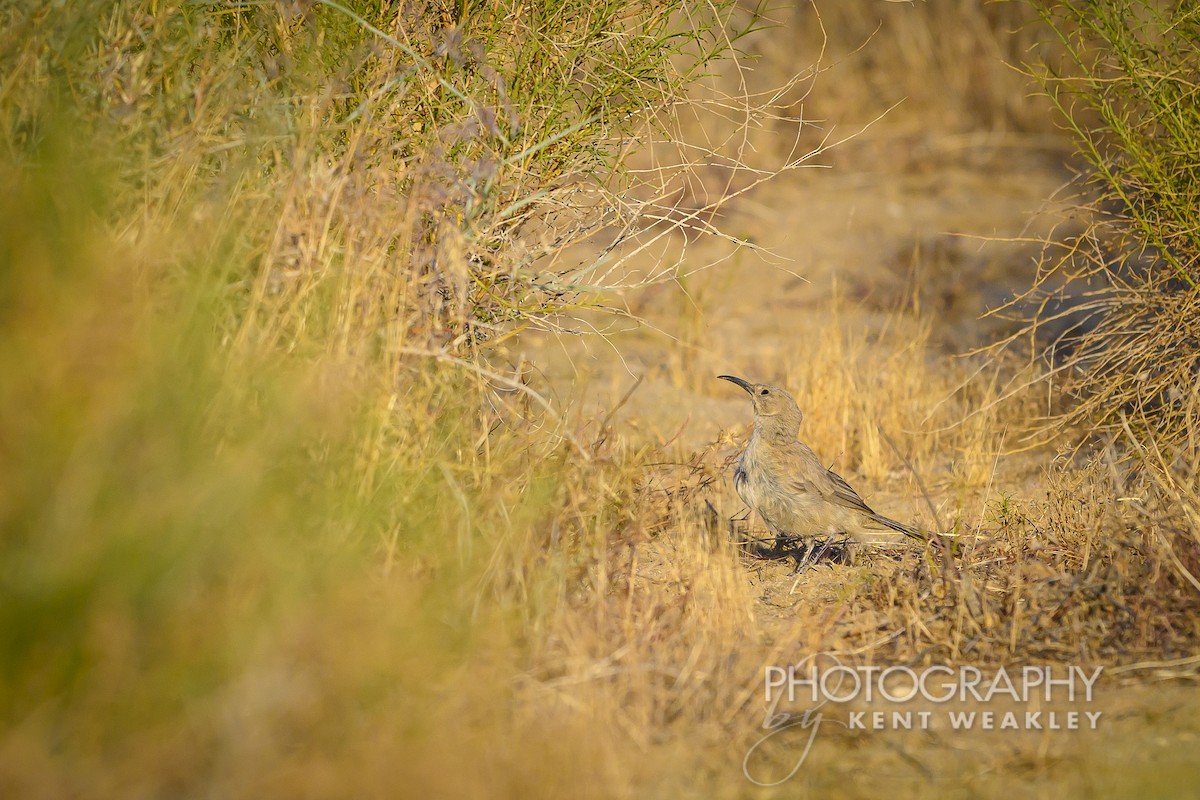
782 480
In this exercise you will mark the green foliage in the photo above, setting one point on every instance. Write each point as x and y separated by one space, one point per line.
1127 90
1136 63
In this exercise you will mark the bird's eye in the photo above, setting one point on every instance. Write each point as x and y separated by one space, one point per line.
764 392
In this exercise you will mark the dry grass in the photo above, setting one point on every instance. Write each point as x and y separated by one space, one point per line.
665 636
279 519
1112 306
944 73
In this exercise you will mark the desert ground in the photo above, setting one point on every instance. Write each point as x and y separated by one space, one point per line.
870 296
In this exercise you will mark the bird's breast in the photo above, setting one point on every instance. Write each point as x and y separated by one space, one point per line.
776 492
750 480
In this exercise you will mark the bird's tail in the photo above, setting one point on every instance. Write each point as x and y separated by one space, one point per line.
890 536
900 527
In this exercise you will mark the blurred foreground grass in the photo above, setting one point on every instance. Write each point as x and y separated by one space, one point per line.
250 545
195 583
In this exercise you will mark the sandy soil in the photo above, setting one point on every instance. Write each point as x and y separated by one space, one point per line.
846 249
858 250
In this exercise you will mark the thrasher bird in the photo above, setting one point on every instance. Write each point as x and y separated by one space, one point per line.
781 479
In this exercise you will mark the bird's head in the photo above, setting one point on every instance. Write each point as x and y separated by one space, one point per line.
774 408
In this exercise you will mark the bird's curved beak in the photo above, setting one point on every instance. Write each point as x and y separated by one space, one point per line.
733 379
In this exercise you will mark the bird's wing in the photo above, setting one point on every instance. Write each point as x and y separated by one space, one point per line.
830 486
843 494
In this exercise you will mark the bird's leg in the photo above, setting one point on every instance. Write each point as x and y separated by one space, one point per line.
825 547
847 553
802 562
829 543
